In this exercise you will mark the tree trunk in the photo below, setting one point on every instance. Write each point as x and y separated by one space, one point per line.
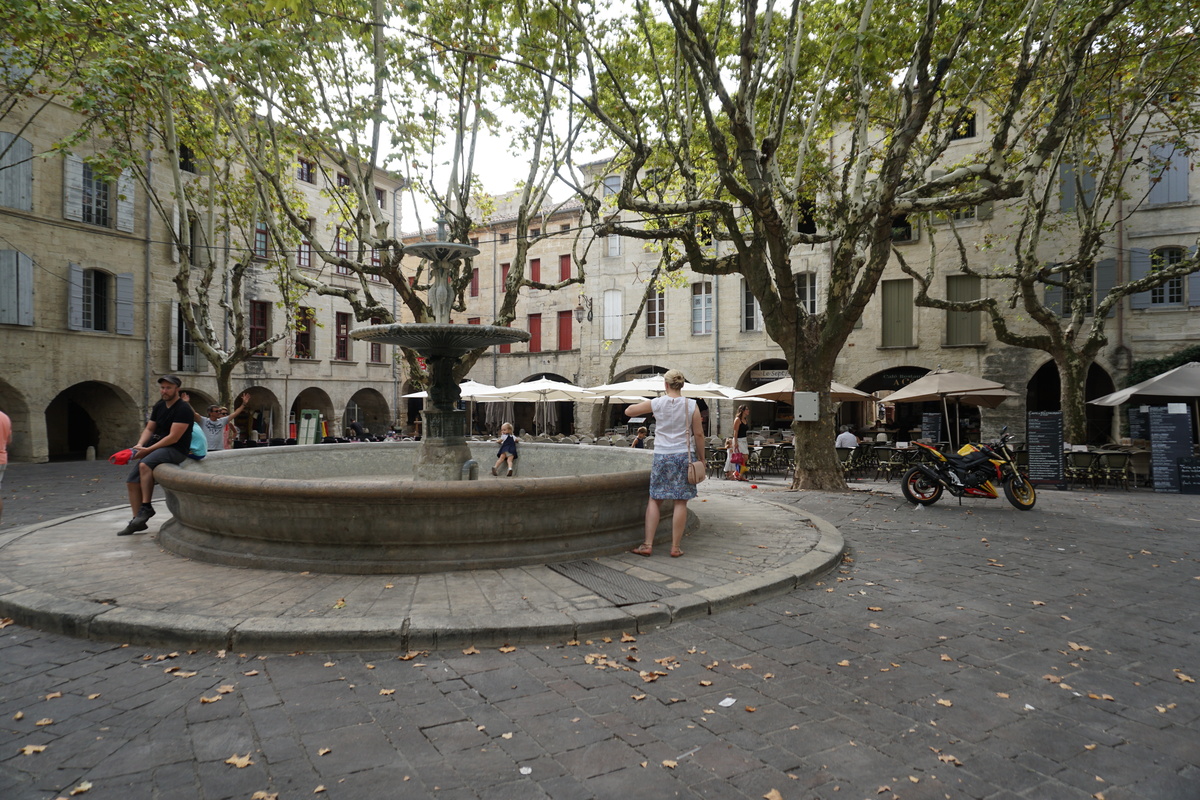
1072 375
225 384
817 465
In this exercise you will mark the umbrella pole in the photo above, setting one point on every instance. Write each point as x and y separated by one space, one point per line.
946 416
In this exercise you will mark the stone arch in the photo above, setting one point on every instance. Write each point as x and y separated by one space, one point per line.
263 415
1044 393
902 418
24 430
615 419
369 407
91 414
561 418
316 397
771 415
200 400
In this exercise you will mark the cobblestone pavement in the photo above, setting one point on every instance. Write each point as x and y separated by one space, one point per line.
970 651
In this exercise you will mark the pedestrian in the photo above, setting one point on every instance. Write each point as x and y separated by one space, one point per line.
846 438
357 431
174 418
741 445
508 449
674 416
639 441
730 467
5 441
217 421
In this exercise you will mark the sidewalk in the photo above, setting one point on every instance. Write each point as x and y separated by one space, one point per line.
72 575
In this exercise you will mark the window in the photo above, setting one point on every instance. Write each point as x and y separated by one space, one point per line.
16 288
183 349
564 267
806 216
475 242
381 197
475 282
564 227
962 327
565 320
612 245
902 229
656 315
341 249
1171 292
504 274
16 172
612 185
304 254
1074 186
965 129
504 238
306 320
535 232
260 323
262 240
343 180
94 298
306 170
702 308
613 328
1168 172
1088 295
341 347
376 347
897 322
535 270
95 198
473 321
187 159
751 313
806 291
535 333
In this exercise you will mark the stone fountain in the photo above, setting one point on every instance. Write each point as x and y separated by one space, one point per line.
444 455
351 508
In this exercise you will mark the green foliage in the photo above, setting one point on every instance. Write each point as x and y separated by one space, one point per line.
1145 369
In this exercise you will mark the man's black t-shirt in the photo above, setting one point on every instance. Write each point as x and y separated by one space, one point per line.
163 418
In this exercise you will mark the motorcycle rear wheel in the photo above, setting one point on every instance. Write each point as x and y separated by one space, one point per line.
1020 492
919 488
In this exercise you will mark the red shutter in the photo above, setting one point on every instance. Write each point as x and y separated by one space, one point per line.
564 267
564 330
475 282
506 348
535 270
535 333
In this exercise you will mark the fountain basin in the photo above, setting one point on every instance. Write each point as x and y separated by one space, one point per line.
353 509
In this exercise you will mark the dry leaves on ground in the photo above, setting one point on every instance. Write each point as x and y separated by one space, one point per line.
471 651
944 702
33 749
241 762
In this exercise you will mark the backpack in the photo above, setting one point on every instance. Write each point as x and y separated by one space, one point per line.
199 446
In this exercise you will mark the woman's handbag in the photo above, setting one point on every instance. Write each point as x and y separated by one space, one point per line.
697 470
737 457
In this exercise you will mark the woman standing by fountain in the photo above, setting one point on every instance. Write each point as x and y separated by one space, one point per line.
673 414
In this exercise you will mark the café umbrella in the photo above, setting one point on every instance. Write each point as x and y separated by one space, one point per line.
1181 382
782 391
653 385
941 384
541 391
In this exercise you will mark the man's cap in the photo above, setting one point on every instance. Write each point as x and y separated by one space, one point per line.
171 379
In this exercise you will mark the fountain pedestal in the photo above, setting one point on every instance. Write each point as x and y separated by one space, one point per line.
444 450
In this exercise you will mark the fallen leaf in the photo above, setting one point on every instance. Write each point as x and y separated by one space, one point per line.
30 749
751 709
843 663
1037 602
638 696
204 700
1064 616
669 764
5 622
370 666
1003 695
883 789
41 723
410 655
261 795
946 657
768 675
341 603
742 666
319 789
1183 677
330 664
506 735
706 683
1075 646
1052 678
324 751
53 695
945 703
946 758
773 795
386 692
83 786
93 696
241 762
914 779
471 651
874 608
1089 747
625 637
20 715
508 648
251 673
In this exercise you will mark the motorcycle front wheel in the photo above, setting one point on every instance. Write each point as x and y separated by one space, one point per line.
919 488
1019 492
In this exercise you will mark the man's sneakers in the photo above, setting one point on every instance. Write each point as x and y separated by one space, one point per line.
140 522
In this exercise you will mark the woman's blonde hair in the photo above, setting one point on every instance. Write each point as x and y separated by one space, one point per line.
674 379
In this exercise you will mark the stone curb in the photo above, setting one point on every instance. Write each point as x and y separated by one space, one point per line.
423 630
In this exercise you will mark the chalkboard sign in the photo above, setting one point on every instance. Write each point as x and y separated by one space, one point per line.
1044 440
1139 424
1170 440
1189 476
931 427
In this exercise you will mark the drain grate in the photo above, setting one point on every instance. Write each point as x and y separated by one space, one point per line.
611 584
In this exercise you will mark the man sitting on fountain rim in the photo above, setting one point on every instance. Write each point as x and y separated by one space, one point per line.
174 416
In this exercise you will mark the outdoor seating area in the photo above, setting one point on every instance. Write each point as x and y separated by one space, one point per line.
1108 467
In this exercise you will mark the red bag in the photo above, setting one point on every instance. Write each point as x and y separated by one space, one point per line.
121 458
737 457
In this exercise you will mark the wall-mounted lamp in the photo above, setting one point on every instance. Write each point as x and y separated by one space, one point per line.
583 308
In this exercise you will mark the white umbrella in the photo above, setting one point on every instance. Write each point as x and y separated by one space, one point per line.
542 390
782 391
653 385
1182 381
467 388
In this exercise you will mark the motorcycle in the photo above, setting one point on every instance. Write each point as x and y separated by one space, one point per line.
974 472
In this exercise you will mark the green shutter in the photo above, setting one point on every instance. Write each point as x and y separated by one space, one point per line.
897 327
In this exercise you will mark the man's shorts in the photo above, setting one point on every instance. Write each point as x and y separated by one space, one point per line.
2 466
163 455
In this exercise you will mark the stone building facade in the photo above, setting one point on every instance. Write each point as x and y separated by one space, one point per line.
89 316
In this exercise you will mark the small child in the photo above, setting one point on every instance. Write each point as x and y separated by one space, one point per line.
640 441
508 449
731 469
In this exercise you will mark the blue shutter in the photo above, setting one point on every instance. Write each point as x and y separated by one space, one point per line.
1106 278
125 304
1193 282
16 172
16 288
75 297
1139 267
125 206
73 190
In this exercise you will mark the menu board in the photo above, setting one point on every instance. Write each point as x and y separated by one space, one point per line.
1044 440
1170 440
931 427
1139 424
1189 476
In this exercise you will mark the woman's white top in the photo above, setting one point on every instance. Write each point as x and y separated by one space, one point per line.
672 415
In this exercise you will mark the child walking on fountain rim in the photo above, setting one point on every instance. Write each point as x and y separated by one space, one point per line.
508 449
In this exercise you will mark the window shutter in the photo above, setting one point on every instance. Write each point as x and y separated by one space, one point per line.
16 288
1053 300
1177 177
1193 283
1106 278
124 304
125 205
73 192
612 314
174 245
16 172
1139 267
75 297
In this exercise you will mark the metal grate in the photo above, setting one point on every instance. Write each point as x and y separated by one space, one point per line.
611 584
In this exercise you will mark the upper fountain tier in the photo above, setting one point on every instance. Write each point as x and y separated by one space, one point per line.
432 339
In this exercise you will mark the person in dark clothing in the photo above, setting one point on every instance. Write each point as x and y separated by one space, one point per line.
358 431
165 440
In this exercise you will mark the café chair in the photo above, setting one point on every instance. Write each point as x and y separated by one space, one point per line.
1113 466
